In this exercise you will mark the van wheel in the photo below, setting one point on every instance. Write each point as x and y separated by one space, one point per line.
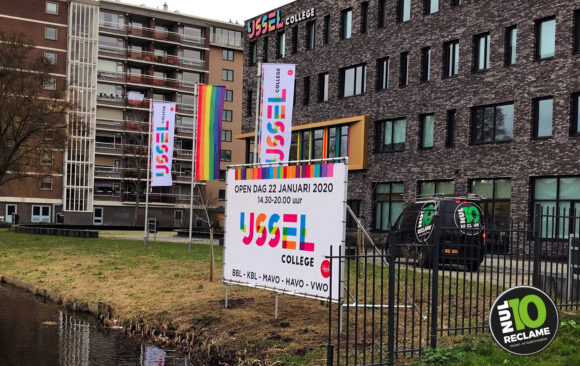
472 266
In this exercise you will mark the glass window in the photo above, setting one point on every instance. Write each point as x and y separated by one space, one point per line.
113 21
391 135
46 184
496 198
546 38
226 155
404 10
426 64
310 35
323 81
50 84
305 145
50 33
451 123
543 112
427 131
194 34
383 74
481 52
346 24
431 6
281 45
511 40
294 147
317 143
229 95
455 2
228 115
50 57
51 8
575 126
295 40
306 94
404 70
388 204
337 142
364 14
249 103
451 58
113 44
222 194
227 75
382 14
326 38
227 135
355 207
436 188
265 50
253 53
227 55
353 80
577 31
494 123
558 196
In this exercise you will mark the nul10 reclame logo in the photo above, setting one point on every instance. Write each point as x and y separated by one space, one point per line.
524 320
468 218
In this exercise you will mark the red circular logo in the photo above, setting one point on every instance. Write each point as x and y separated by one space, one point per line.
172 109
325 268
290 72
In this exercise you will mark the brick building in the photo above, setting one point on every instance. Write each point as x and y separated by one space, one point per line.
451 97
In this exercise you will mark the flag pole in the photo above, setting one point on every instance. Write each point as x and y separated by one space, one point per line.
193 157
146 234
258 97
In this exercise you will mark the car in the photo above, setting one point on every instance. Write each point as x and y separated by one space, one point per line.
457 223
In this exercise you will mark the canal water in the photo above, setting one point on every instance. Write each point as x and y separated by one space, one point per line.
35 333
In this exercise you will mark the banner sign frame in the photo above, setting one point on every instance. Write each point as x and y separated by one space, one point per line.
270 242
277 106
162 137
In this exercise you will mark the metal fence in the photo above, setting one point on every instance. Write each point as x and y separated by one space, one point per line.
401 300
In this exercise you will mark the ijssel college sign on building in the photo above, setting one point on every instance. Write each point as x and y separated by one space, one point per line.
273 21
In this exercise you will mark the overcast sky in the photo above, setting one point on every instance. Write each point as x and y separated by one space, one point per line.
223 10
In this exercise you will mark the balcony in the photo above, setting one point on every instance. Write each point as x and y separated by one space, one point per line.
163 36
109 124
181 153
146 80
111 99
169 60
113 27
102 171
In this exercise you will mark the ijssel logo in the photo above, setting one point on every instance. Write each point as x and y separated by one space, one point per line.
425 222
524 320
468 218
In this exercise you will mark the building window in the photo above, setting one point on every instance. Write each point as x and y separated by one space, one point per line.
227 75
496 196
326 37
50 33
228 115
294 147
51 8
481 52
455 2
404 70
493 123
229 95
227 135
310 35
226 155
364 15
46 184
545 38
558 196
337 142
50 84
451 58
346 24
390 135
388 204
40 213
295 40
431 6
265 50
305 145
451 123
50 57
404 10
382 14
253 53
543 113
355 207
249 102
383 73
222 194
577 31
317 144
306 95
323 81
222 175
426 131
227 55
511 40
46 159
428 189
281 45
353 80
575 126
425 64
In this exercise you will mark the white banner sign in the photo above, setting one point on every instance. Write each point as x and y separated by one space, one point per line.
280 224
276 112
162 133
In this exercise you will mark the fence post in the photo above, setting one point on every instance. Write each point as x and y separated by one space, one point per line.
435 287
329 346
537 244
391 320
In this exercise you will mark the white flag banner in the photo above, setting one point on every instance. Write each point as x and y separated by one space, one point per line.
276 112
163 130
136 96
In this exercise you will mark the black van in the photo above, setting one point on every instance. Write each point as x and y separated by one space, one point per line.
457 221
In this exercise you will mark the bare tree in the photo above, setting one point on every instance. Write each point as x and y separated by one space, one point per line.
32 116
209 217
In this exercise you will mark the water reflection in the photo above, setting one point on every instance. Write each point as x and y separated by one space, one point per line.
34 333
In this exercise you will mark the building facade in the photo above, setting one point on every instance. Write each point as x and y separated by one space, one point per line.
458 97
121 58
